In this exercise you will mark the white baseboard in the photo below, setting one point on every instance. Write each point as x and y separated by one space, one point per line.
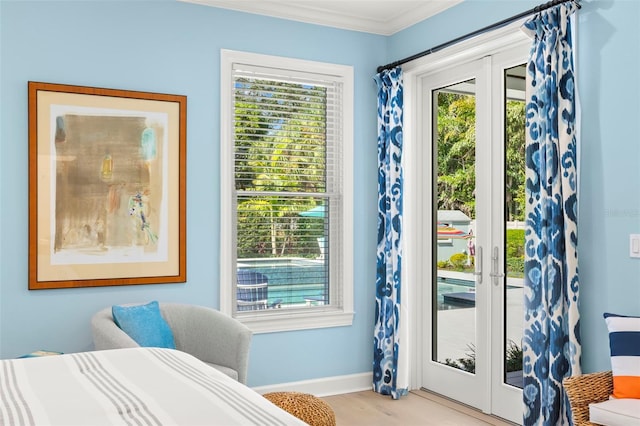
325 386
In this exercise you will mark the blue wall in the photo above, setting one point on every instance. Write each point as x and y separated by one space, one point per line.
608 65
172 47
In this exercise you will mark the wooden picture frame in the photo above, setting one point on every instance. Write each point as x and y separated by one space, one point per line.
107 187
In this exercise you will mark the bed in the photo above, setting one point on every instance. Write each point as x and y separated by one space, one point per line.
133 386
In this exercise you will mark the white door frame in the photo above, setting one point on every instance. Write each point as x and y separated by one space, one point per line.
509 36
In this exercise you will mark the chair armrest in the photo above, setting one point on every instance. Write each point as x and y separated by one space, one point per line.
107 335
584 390
210 336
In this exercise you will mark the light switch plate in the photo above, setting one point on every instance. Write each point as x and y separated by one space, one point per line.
634 245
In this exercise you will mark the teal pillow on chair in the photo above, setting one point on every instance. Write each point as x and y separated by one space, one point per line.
144 324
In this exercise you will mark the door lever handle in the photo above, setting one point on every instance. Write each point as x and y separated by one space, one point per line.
495 267
478 265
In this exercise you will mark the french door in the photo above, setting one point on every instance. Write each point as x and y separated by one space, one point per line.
472 204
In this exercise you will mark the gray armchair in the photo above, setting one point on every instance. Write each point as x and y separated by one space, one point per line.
209 335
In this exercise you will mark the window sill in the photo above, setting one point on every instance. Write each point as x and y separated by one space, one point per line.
296 320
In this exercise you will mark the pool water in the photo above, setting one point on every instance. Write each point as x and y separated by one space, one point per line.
452 285
292 281
297 281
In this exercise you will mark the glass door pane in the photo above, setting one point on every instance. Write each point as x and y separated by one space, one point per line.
454 301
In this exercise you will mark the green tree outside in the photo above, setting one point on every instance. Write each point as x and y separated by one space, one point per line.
280 135
456 180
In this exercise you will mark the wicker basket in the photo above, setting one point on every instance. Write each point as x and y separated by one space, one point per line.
584 390
308 408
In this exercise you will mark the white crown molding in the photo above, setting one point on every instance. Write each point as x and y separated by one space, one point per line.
370 16
421 12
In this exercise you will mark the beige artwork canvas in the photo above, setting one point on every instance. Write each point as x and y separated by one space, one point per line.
107 187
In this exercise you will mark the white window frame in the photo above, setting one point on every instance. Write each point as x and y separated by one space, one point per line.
275 320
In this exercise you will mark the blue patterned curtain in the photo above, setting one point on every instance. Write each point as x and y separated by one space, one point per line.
551 343
389 375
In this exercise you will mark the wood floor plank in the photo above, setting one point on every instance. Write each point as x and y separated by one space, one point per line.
418 408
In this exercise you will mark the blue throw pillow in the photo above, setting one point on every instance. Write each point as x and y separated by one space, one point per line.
144 324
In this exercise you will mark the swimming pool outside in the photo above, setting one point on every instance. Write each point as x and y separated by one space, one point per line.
299 281
291 281
459 283
451 284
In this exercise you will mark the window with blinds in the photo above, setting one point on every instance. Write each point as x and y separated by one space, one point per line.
288 139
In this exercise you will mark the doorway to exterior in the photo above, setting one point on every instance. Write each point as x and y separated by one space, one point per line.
468 211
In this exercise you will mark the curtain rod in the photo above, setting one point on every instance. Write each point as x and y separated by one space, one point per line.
502 23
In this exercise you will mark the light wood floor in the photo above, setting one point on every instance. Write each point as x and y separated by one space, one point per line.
418 408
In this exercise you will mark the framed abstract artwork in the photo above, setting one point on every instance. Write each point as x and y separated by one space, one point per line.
107 187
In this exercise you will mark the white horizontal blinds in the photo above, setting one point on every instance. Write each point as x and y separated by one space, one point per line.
285 138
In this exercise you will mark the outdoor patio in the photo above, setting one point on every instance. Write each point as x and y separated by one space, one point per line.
456 326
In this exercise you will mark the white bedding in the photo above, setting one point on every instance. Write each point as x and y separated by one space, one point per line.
135 386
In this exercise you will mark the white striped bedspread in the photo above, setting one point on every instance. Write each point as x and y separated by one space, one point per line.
135 386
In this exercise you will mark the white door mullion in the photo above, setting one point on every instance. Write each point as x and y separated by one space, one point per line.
484 157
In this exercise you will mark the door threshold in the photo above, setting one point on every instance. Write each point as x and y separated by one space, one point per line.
463 408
